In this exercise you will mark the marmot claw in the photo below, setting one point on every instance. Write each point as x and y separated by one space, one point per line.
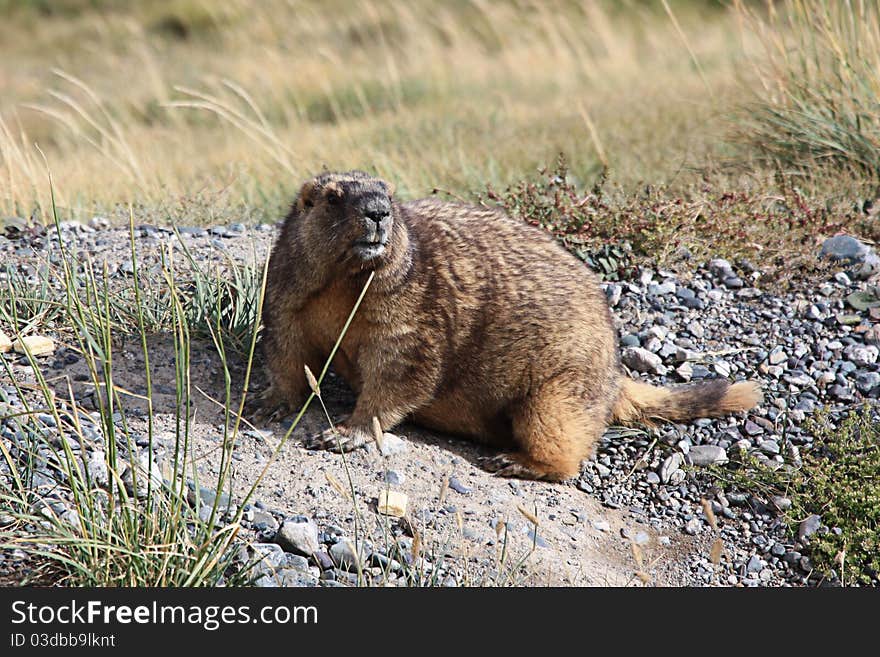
339 439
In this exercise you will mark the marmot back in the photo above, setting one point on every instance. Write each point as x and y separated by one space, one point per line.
474 324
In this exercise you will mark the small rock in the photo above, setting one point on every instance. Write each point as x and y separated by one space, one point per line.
812 312
459 487
809 526
378 560
781 503
792 557
844 248
642 360
99 223
270 556
394 477
692 527
298 537
5 343
862 355
263 520
97 469
755 565
752 429
685 293
696 329
777 356
769 446
148 475
799 380
38 345
601 525
392 503
344 555
685 372
392 444
613 293
841 393
704 455
867 381
672 463
286 577
536 540
323 560
720 268
297 562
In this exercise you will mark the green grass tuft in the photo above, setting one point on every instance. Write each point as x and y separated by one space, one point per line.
819 104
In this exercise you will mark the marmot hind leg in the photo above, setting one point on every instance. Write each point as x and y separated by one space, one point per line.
554 430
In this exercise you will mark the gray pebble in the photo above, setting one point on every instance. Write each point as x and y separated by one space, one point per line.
394 477
459 487
809 526
704 455
298 537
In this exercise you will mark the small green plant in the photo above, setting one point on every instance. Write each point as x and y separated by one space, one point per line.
34 302
841 483
224 298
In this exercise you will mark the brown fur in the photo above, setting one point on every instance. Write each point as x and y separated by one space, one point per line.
475 324
642 402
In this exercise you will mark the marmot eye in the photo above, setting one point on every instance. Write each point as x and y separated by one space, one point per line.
333 198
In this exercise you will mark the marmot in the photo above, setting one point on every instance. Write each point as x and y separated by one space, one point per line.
475 324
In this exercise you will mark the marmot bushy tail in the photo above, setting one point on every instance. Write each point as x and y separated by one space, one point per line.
474 324
643 403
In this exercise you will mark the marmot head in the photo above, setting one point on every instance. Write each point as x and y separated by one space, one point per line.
350 214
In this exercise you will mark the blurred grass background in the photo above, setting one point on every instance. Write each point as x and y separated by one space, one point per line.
238 101
230 105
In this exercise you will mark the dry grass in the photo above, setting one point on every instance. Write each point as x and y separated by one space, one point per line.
233 103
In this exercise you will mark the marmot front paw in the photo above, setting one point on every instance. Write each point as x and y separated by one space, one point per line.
339 439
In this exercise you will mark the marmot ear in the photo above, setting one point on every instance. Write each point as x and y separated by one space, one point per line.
389 188
306 198
332 192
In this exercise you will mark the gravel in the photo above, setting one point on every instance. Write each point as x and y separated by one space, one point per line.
807 347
